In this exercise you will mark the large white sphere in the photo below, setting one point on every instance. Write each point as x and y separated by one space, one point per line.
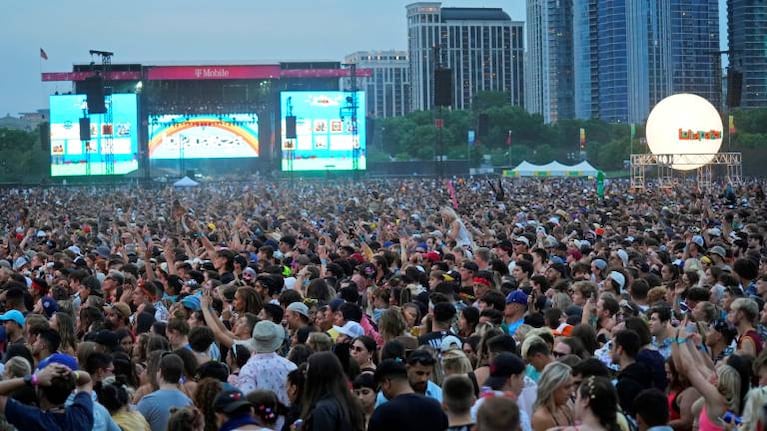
685 124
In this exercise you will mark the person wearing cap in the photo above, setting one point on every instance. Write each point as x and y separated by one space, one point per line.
598 266
118 316
348 332
507 379
514 313
406 410
156 406
13 322
615 282
233 411
52 384
297 316
521 245
266 369
718 254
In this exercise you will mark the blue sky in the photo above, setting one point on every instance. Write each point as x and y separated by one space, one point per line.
188 31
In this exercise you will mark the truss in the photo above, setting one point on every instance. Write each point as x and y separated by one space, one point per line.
704 165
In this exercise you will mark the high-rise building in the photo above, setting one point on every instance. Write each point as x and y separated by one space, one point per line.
388 89
585 59
549 74
747 34
630 54
696 65
483 47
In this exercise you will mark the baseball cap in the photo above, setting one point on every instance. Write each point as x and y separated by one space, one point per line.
451 342
523 240
122 308
59 358
230 400
50 306
300 308
718 250
517 297
601 264
191 302
504 366
351 329
618 278
13 315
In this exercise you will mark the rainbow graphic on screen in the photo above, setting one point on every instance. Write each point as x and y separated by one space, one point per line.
203 136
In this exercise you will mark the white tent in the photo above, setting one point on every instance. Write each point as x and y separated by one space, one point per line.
552 169
186 182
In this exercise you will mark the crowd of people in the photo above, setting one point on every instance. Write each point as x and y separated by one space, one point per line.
418 304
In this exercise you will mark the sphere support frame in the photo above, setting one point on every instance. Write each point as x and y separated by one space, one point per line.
732 162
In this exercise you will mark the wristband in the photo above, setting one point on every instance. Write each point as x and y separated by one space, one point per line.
324 261
681 340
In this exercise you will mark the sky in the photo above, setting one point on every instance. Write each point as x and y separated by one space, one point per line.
189 31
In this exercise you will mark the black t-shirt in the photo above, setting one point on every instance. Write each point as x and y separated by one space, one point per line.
433 339
226 277
409 412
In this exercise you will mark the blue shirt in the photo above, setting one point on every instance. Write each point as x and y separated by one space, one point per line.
102 420
78 416
512 327
156 406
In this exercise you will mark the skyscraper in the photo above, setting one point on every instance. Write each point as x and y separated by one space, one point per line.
388 90
482 46
747 34
696 65
633 53
549 84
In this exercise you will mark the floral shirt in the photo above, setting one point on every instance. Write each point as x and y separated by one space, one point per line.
266 371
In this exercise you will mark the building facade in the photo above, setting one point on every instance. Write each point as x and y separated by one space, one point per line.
747 35
549 61
483 47
388 89
630 54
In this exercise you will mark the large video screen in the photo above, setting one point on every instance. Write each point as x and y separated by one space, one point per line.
203 136
325 140
72 157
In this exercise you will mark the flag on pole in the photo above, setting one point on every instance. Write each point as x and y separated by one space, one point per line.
508 139
583 139
633 131
732 125
43 54
451 191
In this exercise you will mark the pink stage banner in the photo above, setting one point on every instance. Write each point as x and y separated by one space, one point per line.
82 76
213 72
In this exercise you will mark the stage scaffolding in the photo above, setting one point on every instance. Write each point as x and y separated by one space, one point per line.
640 163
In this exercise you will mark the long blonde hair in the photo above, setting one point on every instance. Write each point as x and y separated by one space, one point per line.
553 377
728 384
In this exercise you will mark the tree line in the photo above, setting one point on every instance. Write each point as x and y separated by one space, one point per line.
607 145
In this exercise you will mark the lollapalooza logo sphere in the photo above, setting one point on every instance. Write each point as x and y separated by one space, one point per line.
687 126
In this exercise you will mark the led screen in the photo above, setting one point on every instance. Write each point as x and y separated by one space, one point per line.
325 140
203 136
72 157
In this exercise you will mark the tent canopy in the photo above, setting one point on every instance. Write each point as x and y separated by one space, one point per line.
186 182
552 169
